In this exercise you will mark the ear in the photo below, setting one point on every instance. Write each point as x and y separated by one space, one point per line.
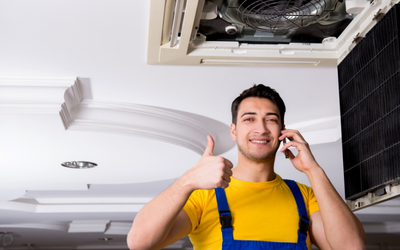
233 132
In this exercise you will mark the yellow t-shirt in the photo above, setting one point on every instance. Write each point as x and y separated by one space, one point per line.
261 211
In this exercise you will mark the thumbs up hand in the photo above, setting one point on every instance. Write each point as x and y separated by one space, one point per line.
211 171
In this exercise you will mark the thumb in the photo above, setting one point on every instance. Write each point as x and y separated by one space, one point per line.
210 146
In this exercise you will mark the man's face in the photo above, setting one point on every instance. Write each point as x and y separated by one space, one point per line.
257 129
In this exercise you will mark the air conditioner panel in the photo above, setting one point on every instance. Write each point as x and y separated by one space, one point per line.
193 52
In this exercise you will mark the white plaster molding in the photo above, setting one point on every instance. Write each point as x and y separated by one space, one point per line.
323 136
11 194
77 205
88 226
158 112
317 124
47 226
101 208
64 96
43 186
175 127
18 206
35 94
71 208
319 131
94 200
118 228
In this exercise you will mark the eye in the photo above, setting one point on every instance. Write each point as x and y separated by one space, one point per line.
272 120
248 119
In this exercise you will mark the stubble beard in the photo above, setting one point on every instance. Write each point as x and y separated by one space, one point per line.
266 157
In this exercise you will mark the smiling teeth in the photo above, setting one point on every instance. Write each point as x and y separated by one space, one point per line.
259 141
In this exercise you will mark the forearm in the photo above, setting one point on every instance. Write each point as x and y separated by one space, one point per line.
154 221
162 221
342 228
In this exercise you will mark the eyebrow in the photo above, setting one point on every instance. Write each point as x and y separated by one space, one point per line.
254 113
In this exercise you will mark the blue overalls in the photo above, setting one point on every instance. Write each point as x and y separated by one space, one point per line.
228 243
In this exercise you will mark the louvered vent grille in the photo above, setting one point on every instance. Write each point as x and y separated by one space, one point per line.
369 87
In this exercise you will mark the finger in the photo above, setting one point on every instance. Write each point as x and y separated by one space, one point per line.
224 184
228 171
210 146
300 146
283 135
226 178
290 144
228 163
292 135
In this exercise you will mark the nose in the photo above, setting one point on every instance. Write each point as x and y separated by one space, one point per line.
261 128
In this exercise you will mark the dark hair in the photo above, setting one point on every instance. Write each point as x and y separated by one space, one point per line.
260 91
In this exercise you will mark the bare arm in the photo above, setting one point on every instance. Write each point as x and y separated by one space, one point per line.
334 226
341 228
162 221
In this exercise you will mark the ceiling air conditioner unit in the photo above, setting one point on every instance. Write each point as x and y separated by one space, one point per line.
257 32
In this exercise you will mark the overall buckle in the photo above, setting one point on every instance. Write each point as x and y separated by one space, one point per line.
226 219
303 224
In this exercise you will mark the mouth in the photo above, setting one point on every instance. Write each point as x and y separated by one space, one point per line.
260 141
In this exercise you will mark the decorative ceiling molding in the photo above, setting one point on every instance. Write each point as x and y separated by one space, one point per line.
48 226
64 96
11 194
175 127
319 131
18 206
35 94
119 228
323 136
161 113
41 186
100 208
71 208
88 226
94 200
317 124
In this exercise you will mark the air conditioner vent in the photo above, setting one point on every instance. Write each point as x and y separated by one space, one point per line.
193 32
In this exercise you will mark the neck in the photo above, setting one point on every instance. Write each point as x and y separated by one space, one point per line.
254 171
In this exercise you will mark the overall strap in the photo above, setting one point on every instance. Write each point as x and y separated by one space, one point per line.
301 208
225 218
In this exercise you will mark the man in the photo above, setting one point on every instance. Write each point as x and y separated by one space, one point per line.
250 206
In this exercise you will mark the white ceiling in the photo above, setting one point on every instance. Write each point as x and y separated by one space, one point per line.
143 125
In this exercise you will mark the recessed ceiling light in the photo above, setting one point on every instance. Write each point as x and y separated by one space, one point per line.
7 239
78 164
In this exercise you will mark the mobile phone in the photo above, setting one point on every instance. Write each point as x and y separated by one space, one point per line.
286 151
